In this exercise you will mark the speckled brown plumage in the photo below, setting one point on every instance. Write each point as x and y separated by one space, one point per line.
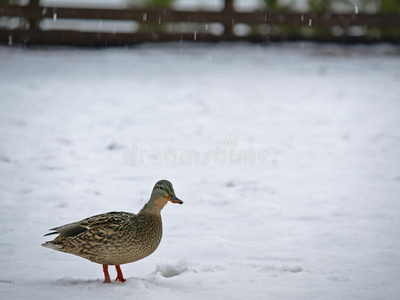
117 238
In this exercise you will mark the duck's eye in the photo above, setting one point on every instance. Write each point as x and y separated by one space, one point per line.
161 188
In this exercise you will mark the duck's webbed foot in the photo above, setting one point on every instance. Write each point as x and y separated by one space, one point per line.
106 275
120 277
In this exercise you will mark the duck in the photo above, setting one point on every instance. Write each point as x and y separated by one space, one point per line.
116 238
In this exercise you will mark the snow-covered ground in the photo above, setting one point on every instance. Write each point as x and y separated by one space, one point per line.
287 158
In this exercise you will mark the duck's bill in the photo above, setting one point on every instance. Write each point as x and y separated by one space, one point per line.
174 199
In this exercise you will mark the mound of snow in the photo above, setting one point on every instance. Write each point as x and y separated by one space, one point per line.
171 270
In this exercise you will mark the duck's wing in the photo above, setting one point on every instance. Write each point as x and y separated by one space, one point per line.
110 220
72 229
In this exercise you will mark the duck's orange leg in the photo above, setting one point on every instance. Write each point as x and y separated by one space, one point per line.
120 277
106 275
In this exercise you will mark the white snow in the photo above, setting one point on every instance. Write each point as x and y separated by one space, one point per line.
316 216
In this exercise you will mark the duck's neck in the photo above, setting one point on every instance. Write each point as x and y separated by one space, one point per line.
154 206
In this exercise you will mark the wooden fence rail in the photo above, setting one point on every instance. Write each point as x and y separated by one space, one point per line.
276 26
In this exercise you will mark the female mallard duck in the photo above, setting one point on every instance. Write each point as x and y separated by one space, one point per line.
117 238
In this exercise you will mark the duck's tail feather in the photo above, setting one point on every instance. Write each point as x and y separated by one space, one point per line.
51 245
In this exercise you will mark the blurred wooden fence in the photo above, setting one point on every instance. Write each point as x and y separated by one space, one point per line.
155 25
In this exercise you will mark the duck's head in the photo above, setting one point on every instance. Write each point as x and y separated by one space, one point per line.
162 193
163 189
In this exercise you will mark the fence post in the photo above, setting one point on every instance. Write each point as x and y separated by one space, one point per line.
32 16
228 24
229 5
